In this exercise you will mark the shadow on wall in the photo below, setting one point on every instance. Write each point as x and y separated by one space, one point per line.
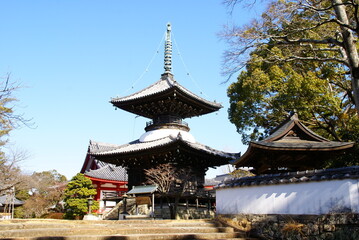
298 198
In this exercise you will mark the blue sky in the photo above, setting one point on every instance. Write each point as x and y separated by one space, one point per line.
73 56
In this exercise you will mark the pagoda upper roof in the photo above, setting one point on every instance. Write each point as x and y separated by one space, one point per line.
288 144
169 148
165 97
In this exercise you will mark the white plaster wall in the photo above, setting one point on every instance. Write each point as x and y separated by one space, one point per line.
299 198
109 185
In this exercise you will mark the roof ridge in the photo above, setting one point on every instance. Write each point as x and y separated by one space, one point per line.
288 124
118 99
293 177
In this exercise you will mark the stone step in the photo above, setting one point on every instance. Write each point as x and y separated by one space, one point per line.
172 236
38 232
84 222
87 224
125 229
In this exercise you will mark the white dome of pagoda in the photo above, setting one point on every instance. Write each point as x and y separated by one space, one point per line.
166 132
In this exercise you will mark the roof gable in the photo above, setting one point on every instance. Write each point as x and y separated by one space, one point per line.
293 129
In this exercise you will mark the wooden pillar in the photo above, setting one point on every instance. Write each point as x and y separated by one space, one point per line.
98 191
153 205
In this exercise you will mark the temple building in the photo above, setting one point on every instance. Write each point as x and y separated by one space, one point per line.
109 180
289 180
167 137
290 147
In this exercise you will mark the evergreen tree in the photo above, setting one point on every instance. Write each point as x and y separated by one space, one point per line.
297 62
312 31
78 190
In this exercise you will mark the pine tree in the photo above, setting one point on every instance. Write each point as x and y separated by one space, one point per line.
78 190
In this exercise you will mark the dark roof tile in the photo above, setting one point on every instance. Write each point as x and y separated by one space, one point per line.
108 172
294 177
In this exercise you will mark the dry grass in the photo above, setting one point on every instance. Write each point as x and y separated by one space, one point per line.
292 228
239 224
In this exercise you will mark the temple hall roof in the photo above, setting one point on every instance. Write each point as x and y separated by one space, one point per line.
108 172
165 97
95 168
291 145
5 200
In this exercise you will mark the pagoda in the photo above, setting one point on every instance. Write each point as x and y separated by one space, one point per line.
167 138
290 147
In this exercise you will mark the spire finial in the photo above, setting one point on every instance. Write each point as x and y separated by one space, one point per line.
168 50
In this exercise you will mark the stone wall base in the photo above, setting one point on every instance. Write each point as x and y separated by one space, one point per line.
183 212
344 226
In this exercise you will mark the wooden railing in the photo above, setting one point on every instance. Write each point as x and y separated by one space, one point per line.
111 195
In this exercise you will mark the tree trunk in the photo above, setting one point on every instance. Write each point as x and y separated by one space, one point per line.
349 47
171 208
175 207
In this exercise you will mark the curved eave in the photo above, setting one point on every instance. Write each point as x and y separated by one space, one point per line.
138 147
244 157
211 151
106 180
163 146
163 90
175 95
308 146
292 147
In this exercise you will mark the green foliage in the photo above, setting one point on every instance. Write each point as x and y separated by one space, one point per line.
19 212
78 190
22 194
265 93
282 76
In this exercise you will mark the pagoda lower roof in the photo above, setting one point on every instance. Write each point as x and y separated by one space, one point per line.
165 97
167 149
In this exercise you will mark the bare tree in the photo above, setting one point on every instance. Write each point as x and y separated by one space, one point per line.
9 119
11 175
321 30
163 176
46 193
171 182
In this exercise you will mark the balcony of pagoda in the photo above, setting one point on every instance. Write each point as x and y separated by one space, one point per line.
167 122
